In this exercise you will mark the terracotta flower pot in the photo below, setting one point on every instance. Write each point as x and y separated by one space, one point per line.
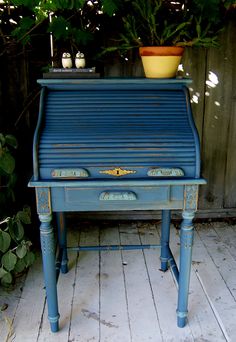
161 61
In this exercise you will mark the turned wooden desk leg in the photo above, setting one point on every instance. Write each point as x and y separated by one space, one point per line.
49 269
48 254
165 237
186 244
62 237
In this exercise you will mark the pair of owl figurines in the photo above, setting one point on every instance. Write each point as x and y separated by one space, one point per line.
67 60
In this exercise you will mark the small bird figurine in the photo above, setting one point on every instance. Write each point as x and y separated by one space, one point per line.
79 60
66 60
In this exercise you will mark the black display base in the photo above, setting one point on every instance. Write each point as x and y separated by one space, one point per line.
69 74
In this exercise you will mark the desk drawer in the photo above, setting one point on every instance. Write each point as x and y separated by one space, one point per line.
117 198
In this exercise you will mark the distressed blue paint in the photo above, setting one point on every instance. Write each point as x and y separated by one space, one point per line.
43 200
115 83
111 123
110 183
62 239
49 270
165 234
190 197
186 243
36 135
139 125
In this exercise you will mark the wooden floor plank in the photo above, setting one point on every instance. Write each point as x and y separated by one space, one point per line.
221 256
31 305
201 319
113 311
85 308
219 297
65 294
9 301
143 316
227 235
163 288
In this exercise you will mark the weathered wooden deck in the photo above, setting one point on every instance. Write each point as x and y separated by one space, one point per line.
122 296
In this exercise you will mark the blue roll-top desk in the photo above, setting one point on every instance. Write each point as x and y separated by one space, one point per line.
115 144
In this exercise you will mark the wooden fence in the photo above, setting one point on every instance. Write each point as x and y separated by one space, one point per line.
213 94
214 75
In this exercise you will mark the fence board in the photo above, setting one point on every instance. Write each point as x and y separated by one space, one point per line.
194 64
230 174
216 121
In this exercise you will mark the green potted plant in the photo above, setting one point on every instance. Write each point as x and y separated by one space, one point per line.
161 29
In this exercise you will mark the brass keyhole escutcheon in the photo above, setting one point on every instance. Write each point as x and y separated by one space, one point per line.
117 172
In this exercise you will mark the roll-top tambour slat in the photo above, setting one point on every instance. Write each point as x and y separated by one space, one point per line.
139 128
92 144
114 116
115 140
128 150
85 94
117 159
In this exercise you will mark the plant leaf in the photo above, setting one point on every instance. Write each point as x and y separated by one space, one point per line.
5 241
25 24
7 162
20 266
21 251
24 216
60 28
19 232
27 3
2 272
11 140
2 139
81 37
16 229
7 279
109 6
9 260
29 259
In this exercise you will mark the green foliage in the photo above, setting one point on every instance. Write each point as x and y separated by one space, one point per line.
15 254
7 162
8 261
63 30
21 32
5 241
60 28
8 144
110 7
74 21
77 23
27 3
165 22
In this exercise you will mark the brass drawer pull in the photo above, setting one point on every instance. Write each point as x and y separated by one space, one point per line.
117 196
165 172
70 173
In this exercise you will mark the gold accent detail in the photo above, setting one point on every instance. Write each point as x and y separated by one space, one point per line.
117 172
